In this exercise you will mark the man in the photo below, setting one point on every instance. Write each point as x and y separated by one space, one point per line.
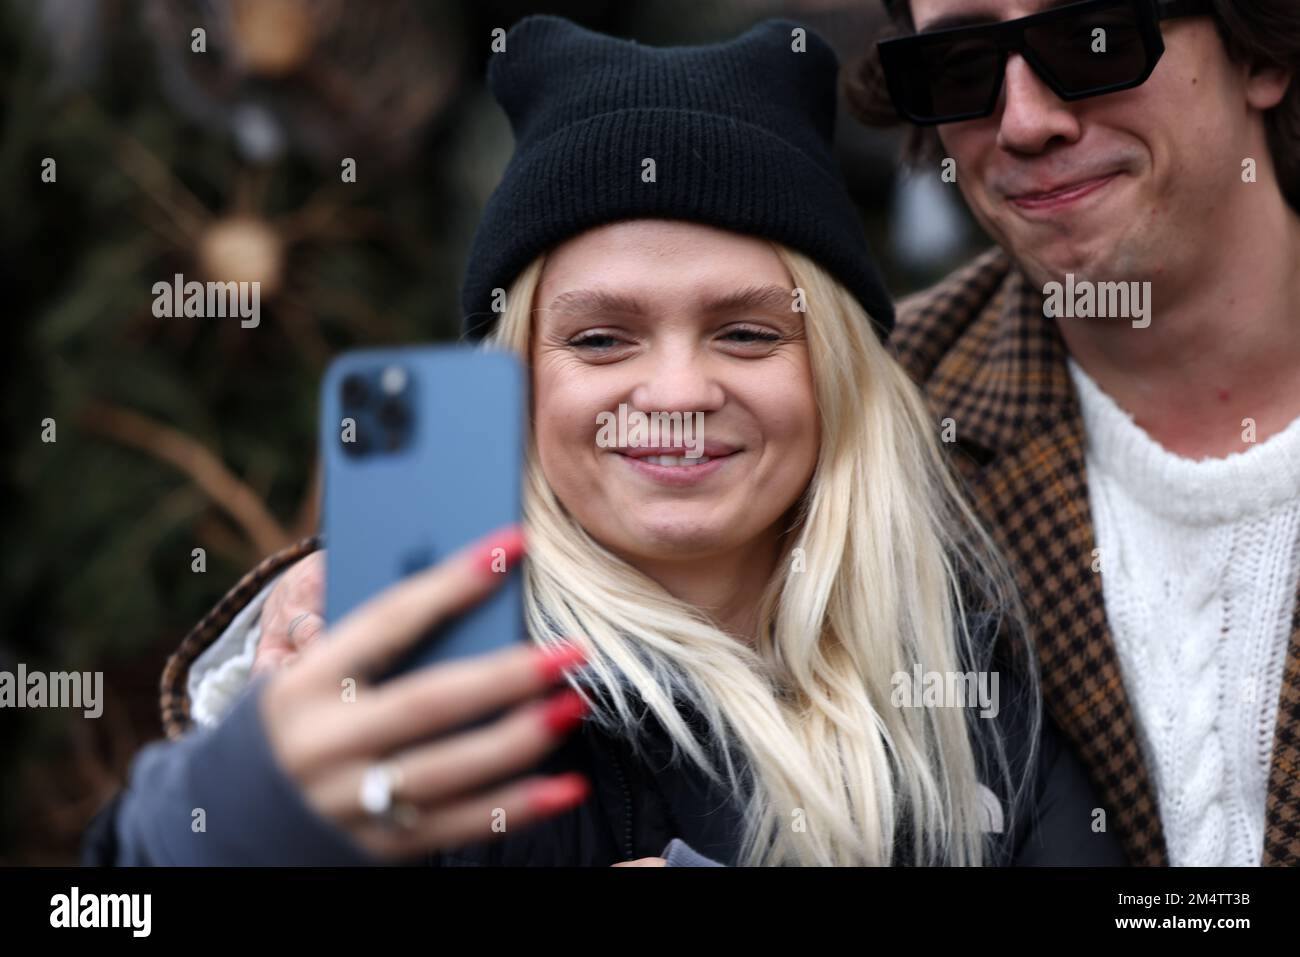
1141 470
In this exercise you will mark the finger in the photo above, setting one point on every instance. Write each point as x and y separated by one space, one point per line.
303 585
468 762
304 628
274 635
376 632
506 810
643 862
271 659
414 706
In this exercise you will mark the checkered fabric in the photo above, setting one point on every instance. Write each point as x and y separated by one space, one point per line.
989 360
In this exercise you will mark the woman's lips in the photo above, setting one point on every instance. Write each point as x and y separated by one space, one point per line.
677 476
1060 198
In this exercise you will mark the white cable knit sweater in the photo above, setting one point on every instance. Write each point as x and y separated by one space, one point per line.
1200 562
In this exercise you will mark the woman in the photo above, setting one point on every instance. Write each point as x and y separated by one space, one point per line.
671 235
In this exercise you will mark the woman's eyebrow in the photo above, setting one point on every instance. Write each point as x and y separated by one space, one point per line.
589 302
767 297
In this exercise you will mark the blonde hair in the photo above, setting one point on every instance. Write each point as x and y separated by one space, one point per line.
830 772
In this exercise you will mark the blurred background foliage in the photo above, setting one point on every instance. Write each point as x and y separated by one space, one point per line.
176 434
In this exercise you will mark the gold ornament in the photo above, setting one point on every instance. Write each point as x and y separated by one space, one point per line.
242 249
274 37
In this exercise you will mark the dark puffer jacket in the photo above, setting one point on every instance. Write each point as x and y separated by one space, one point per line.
643 804
642 801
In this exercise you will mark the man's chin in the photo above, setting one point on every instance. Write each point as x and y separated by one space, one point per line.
1052 262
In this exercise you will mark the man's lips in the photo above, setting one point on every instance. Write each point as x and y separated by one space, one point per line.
1052 196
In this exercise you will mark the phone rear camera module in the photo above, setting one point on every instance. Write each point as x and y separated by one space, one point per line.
379 400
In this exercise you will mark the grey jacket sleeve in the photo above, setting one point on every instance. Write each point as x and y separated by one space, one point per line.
680 854
216 797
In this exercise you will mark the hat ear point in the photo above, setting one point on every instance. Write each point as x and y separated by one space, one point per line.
513 76
789 36
534 47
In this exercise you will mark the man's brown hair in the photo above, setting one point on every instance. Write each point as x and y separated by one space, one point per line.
1263 33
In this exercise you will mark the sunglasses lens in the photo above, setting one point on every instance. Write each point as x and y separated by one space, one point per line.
1096 49
937 81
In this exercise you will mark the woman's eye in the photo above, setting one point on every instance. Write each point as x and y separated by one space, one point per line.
596 340
751 335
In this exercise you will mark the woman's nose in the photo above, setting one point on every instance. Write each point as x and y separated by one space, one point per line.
677 379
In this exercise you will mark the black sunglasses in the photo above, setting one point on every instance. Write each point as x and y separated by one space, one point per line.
954 74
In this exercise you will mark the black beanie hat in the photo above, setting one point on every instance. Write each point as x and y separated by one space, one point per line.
740 133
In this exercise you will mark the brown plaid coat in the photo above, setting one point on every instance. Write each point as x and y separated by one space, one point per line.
990 361
987 359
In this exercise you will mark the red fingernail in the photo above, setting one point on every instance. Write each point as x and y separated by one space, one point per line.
564 712
555 662
559 793
499 552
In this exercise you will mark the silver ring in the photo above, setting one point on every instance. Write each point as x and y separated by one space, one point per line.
379 783
297 620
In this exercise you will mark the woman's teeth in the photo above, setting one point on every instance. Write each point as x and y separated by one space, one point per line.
675 461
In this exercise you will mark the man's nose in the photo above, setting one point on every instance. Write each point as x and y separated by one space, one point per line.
678 378
1032 115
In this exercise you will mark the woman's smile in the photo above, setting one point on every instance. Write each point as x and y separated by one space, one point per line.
675 470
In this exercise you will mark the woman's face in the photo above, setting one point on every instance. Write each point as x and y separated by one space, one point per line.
665 316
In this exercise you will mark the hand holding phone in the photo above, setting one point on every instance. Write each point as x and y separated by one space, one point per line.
327 740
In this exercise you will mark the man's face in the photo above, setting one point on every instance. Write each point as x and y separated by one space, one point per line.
1115 187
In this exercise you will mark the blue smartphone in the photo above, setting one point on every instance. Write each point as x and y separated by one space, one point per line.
423 453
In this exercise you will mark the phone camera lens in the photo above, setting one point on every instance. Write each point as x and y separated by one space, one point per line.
392 413
355 390
358 443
